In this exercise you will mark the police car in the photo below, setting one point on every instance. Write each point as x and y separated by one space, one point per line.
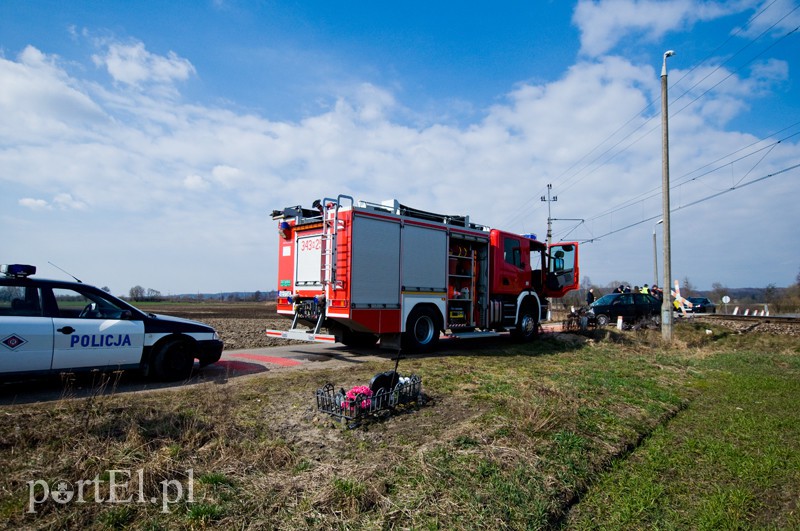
52 326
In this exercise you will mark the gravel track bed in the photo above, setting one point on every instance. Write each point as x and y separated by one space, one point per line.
764 325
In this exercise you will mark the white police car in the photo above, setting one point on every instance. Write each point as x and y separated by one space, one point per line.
52 326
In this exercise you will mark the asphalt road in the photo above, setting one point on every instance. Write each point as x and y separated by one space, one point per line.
233 364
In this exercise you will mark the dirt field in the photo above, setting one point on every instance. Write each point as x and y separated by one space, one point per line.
241 325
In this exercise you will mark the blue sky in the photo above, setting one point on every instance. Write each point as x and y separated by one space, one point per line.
145 143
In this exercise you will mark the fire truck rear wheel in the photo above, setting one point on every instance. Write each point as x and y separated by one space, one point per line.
422 330
527 327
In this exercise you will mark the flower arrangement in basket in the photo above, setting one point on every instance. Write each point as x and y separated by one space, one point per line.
357 399
386 391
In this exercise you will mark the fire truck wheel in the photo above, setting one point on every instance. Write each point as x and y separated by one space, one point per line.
422 330
602 320
527 327
174 360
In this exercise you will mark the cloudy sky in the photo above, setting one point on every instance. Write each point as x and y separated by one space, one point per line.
145 143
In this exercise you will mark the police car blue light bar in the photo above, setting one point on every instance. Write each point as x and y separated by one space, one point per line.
17 270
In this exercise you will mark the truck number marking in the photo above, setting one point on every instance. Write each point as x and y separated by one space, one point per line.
311 244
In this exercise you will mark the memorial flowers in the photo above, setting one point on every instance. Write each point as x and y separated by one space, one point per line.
357 397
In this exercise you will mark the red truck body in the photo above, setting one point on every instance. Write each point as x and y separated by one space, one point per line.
384 271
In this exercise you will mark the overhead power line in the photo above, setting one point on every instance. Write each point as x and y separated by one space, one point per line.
606 156
701 200
686 178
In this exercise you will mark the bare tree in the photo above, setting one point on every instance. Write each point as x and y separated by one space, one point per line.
153 294
718 291
136 293
770 293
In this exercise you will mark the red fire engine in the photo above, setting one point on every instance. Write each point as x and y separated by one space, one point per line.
384 271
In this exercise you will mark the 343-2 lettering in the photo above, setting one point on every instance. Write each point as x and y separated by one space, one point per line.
311 244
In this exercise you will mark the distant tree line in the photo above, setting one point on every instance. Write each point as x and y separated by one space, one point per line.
140 294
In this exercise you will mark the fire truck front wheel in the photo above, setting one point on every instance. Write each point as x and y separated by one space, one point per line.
527 327
422 330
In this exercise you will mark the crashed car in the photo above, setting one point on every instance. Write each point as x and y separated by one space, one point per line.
53 326
632 307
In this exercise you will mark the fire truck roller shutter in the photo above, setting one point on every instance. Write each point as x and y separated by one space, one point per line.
375 273
424 259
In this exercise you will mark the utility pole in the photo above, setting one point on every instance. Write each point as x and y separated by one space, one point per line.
666 305
549 219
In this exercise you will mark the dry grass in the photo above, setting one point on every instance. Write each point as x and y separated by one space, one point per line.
510 437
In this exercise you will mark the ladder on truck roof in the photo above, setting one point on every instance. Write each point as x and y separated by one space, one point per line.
330 228
393 206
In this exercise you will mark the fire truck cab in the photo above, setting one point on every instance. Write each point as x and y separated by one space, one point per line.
383 271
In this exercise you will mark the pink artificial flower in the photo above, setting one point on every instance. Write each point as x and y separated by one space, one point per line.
351 395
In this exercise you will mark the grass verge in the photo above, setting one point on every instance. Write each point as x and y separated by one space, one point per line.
730 461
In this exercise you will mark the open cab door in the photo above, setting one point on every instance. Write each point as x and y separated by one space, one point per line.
562 269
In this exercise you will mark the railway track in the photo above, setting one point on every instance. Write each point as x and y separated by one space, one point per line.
748 318
739 323
743 324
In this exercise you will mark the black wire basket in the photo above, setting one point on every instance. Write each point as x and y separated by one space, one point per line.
388 391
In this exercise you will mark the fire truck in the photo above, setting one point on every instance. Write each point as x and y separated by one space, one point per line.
368 272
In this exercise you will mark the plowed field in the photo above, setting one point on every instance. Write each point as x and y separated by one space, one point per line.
240 324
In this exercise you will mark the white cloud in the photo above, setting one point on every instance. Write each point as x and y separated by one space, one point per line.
67 202
40 101
133 65
61 201
227 176
603 23
373 102
766 75
195 182
191 184
34 204
774 16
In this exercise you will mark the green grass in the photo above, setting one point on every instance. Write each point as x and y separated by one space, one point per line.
731 460
617 432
